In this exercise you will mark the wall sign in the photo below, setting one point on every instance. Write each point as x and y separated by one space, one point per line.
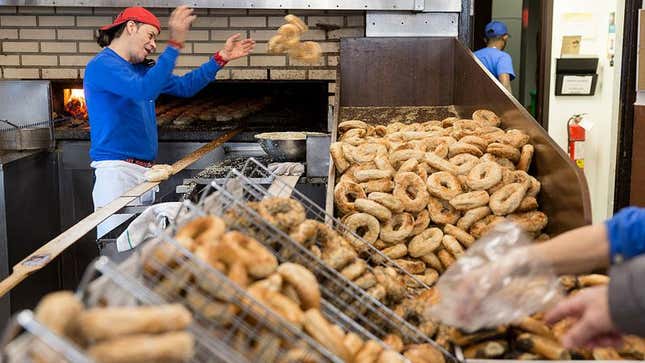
577 85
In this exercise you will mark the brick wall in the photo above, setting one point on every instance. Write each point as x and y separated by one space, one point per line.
57 42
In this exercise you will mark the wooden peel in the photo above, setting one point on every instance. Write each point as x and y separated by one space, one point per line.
46 253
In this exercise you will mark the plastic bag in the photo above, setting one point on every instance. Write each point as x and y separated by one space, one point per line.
495 282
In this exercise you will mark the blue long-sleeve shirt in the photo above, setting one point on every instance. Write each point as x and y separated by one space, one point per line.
626 233
121 98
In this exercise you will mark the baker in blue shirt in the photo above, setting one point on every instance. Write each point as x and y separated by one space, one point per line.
493 57
121 86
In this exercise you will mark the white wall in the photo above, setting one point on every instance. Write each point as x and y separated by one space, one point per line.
602 108
510 13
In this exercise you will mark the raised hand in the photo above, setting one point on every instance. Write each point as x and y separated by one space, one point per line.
179 23
235 48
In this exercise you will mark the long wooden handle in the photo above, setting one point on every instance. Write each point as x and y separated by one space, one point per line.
46 253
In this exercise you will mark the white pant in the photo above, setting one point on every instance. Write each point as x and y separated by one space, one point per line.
113 179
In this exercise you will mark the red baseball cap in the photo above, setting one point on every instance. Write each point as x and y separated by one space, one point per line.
135 13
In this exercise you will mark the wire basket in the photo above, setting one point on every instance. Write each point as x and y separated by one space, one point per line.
103 284
220 307
106 284
343 294
26 340
333 309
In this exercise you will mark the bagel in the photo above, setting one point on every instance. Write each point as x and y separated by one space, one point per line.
441 212
307 52
101 323
58 311
166 347
388 200
363 225
238 247
504 150
410 189
303 281
408 165
451 245
319 328
371 207
426 242
503 162
515 138
411 267
526 156
290 35
352 124
464 163
470 200
507 199
421 222
371 174
292 19
477 141
354 270
464 148
444 185
379 185
486 118
483 225
530 221
337 156
446 258
397 228
439 163
484 175
283 213
527 204
461 235
278 303
345 193
423 353
432 261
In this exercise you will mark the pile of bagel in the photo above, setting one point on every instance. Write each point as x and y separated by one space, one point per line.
532 339
288 41
118 334
290 290
422 193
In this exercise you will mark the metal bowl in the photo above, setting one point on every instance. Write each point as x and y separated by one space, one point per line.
284 146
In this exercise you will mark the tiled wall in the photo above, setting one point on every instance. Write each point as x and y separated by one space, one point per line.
57 42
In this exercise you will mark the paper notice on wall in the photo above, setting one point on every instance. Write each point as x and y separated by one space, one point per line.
570 45
579 23
576 85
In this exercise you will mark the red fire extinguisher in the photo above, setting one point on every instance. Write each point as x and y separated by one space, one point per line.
576 138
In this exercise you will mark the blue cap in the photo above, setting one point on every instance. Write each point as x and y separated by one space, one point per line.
495 29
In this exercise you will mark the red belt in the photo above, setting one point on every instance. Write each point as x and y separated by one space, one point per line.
144 163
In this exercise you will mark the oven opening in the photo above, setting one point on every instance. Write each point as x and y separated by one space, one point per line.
258 106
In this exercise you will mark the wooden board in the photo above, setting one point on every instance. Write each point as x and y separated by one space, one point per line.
45 254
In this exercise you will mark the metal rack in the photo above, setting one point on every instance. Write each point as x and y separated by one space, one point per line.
105 283
343 294
333 312
36 341
221 308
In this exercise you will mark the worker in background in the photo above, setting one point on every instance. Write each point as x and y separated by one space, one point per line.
493 57
121 85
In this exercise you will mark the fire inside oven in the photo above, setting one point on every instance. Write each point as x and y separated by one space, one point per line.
74 103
